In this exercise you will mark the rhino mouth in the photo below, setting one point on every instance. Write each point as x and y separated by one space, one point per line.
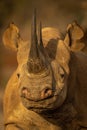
41 105
38 100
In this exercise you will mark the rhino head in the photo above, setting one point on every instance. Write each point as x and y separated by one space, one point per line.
42 80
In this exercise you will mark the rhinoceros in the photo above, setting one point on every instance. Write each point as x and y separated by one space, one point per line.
48 90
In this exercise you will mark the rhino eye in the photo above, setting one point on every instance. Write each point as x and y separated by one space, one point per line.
62 74
18 75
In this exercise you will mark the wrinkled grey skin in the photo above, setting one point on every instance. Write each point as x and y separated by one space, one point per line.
48 90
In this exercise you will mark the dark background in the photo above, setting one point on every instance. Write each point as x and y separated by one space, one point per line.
54 13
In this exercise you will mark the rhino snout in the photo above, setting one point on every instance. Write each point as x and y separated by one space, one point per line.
36 95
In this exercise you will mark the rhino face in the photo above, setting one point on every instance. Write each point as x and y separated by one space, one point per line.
42 82
44 90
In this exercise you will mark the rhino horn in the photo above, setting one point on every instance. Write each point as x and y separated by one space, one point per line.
34 42
40 35
35 60
40 38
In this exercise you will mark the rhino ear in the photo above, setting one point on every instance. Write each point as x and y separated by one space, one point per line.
75 30
63 55
73 37
11 37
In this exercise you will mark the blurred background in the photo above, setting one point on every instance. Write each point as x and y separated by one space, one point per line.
54 13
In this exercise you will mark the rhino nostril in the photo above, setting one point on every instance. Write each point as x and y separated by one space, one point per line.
47 92
25 92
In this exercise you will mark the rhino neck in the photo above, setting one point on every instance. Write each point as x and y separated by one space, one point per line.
59 116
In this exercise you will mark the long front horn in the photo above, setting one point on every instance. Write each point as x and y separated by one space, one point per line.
35 60
34 42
